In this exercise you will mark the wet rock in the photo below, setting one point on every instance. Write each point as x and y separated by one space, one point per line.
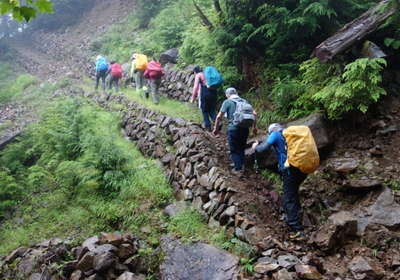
344 165
333 234
76 275
91 242
111 238
169 56
17 253
131 276
86 262
104 261
283 274
308 272
363 183
126 250
365 269
176 208
187 194
29 262
106 248
196 262
265 267
288 261
385 211
254 234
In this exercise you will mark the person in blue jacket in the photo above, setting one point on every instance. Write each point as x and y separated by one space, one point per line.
101 71
292 178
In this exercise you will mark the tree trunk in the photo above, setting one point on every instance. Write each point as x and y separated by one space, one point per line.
355 31
217 7
203 17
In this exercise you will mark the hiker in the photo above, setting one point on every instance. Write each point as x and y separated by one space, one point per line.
101 71
138 66
241 117
116 74
154 72
207 97
292 178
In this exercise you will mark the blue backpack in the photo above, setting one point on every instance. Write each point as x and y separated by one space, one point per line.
213 77
101 65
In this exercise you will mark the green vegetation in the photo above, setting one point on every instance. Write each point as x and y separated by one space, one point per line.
10 89
78 176
73 174
263 49
168 106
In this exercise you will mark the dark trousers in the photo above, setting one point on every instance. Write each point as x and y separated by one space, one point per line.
292 178
207 115
114 80
237 139
101 75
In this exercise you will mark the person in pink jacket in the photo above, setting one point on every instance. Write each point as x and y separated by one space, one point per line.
207 97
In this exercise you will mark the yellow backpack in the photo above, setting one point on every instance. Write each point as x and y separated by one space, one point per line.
302 151
141 62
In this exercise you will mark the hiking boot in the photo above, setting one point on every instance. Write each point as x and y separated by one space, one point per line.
297 236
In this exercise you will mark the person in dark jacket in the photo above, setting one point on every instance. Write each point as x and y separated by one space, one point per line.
292 178
207 97
237 136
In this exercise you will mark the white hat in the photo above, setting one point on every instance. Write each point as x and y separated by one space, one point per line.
99 57
231 91
274 127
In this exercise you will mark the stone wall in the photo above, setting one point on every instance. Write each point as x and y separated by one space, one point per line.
177 84
190 159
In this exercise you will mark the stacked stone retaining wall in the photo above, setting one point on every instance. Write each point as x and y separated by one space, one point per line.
189 157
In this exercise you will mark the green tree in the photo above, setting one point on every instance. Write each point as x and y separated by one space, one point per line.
25 10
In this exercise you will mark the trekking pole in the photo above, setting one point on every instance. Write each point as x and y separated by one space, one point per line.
256 165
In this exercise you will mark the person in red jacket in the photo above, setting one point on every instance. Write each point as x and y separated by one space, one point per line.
154 73
116 74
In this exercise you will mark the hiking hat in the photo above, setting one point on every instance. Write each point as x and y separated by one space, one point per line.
231 91
99 57
274 127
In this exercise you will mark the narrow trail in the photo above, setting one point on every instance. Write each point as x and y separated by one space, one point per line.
374 146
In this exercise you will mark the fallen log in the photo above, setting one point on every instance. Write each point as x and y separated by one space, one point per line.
355 31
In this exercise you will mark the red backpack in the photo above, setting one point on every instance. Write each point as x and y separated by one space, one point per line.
116 70
154 70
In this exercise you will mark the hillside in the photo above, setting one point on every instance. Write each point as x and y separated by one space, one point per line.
88 162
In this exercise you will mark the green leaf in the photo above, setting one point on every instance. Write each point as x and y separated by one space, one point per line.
27 12
44 6
388 41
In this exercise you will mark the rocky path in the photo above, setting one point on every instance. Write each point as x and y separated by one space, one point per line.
344 196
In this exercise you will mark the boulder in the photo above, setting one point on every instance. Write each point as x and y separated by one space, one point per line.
265 267
283 274
384 211
169 56
91 242
288 261
111 238
126 250
308 272
86 262
17 253
333 234
196 261
317 124
363 183
344 165
76 275
365 269
104 261
131 276
176 208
